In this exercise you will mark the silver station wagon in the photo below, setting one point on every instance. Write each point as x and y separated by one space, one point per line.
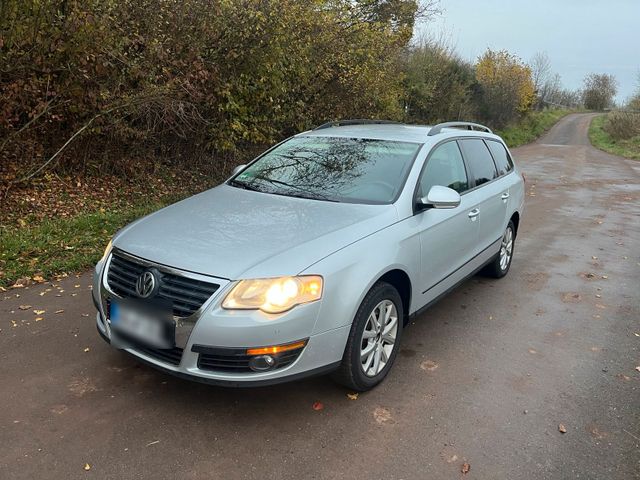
313 257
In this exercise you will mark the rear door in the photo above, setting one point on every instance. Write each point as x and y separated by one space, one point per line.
508 183
447 236
488 190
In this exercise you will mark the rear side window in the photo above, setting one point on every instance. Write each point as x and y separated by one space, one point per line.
501 157
479 160
446 168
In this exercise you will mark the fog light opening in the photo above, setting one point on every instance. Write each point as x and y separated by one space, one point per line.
262 363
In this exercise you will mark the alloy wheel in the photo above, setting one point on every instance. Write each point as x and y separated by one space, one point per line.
506 248
378 338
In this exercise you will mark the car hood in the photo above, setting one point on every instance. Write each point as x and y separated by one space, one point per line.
234 233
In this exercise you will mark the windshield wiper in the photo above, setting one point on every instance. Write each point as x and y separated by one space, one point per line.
243 185
309 196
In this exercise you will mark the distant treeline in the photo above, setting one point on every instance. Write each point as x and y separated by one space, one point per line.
98 85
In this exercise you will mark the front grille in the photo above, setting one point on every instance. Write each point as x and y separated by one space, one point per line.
235 360
185 294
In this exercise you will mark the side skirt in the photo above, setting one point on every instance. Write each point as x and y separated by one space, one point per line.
424 308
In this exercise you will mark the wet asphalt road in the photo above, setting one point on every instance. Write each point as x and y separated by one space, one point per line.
485 376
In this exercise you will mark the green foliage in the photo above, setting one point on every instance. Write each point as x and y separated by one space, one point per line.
531 126
165 77
507 86
599 91
629 148
439 86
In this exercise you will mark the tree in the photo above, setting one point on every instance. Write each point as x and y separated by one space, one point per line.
599 91
439 85
541 76
507 86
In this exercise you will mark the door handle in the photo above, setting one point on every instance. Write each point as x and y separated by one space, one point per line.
504 196
474 213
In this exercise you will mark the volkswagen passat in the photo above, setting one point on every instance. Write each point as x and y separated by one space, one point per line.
313 257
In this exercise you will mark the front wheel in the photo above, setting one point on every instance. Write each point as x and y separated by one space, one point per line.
500 265
373 340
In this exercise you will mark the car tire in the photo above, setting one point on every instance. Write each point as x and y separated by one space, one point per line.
500 265
362 369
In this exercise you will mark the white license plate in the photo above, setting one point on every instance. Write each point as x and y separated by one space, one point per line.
150 326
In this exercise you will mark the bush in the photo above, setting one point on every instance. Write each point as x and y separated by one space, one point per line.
621 125
139 79
439 86
507 87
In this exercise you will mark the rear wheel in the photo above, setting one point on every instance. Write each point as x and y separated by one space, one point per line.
373 340
500 265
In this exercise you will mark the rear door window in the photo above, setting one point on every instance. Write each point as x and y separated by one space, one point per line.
501 157
479 160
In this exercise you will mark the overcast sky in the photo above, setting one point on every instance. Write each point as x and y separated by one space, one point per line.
580 36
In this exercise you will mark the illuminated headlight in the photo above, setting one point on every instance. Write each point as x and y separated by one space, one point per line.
274 295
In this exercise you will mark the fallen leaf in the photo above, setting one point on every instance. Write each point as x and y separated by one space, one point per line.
59 311
638 368
24 307
562 428
465 468
38 312
87 467
86 350
605 276
382 415
39 318
354 396
317 406
429 365
38 278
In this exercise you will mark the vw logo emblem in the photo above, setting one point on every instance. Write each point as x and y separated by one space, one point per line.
146 284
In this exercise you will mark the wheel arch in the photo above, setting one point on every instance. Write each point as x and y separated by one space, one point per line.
401 281
515 218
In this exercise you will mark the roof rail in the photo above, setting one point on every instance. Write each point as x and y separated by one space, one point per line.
468 125
362 121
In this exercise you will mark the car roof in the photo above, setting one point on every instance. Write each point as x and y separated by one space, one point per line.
394 132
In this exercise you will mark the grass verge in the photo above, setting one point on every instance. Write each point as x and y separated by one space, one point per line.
57 246
531 127
600 139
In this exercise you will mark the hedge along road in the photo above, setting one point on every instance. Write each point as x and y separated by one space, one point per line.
485 377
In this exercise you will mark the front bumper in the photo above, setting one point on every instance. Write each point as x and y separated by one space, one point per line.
215 327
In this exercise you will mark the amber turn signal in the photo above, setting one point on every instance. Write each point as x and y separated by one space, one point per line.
276 348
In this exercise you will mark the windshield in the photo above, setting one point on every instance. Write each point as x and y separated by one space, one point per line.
354 170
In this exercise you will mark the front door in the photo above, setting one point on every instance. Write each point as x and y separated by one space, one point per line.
447 236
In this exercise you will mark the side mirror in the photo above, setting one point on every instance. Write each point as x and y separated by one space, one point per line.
238 169
440 197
